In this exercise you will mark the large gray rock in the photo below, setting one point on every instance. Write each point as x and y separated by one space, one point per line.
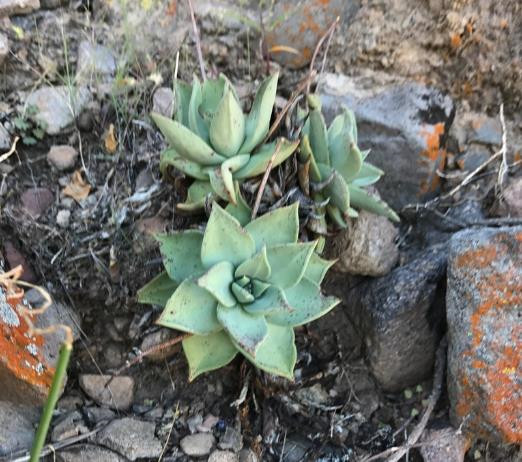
400 316
4 49
197 445
484 309
443 445
402 121
95 62
58 107
131 438
11 7
300 25
116 392
17 427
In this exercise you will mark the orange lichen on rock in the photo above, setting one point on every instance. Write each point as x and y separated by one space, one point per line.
24 372
434 155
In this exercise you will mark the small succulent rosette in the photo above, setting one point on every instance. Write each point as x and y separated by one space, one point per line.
214 142
334 171
240 289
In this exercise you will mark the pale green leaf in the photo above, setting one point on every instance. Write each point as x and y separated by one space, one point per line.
212 91
317 268
245 330
196 122
188 167
181 253
259 161
345 157
318 137
243 296
368 175
363 200
182 92
191 309
337 190
289 262
277 354
227 129
217 282
220 187
185 142
281 226
206 353
241 210
273 299
258 120
225 240
335 214
256 267
307 304
158 290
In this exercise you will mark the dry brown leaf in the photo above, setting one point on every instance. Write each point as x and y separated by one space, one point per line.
111 143
77 188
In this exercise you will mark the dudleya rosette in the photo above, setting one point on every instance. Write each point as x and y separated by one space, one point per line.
240 289
337 168
212 141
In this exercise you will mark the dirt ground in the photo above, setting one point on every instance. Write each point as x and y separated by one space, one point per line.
469 49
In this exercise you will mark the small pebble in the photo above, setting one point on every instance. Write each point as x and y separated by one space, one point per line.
197 445
62 157
62 218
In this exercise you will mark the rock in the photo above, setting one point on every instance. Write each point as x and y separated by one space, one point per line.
62 218
4 48
131 438
70 425
367 247
512 198
475 155
13 7
400 317
315 394
208 424
146 231
156 338
223 456
163 101
443 445
36 201
247 455
484 129
402 121
116 392
5 137
62 157
53 106
197 445
300 25
52 4
193 422
14 258
17 426
231 439
88 453
27 361
94 62
484 299
95 415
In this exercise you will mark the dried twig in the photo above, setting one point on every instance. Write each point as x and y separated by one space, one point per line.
11 151
155 349
196 39
504 169
329 32
265 179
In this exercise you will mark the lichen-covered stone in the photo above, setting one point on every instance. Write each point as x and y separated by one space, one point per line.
484 308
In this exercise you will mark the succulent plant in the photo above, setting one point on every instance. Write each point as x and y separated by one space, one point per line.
240 289
212 141
335 171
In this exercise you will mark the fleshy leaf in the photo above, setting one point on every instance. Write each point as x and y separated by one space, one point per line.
245 330
317 268
217 282
158 290
227 129
256 267
289 262
182 92
258 120
363 200
318 137
345 157
306 154
198 192
368 175
277 354
191 309
242 295
188 167
219 186
240 210
181 254
272 300
212 91
259 287
206 353
196 122
307 304
259 161
281 226
225 240
337 190
335 214
227 168
185 142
